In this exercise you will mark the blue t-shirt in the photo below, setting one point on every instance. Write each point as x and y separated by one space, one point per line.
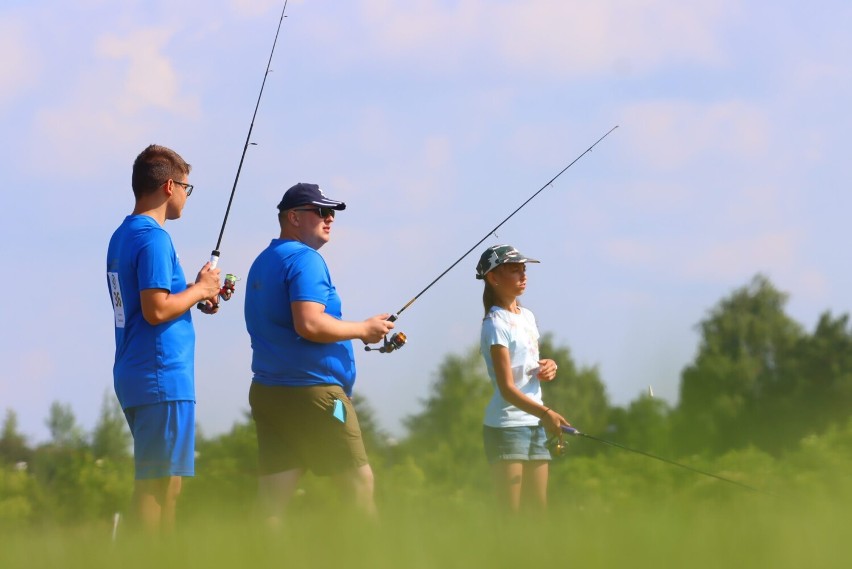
152 363
289 271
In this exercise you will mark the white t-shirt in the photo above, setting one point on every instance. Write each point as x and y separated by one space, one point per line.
519 334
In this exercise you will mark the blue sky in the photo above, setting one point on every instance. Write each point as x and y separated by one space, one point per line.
433 120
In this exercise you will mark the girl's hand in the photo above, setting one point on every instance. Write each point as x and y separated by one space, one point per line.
553 422
547 370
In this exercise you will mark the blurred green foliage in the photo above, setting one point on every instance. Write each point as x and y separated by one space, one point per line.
764 403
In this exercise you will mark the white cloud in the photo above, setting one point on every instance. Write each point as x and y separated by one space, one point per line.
734 259
19 66
549 36
811 284
655 196
150 79
106 105
595 35
632 252
250 8
37 367
669 135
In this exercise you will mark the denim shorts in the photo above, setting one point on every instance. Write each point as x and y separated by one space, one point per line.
163 439
515 443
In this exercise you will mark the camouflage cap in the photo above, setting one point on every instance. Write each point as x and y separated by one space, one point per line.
497 255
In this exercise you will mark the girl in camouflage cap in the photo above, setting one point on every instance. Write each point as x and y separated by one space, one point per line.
516 422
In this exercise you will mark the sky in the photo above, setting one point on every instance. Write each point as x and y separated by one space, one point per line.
433 120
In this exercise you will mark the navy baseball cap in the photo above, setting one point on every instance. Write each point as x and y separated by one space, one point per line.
307 194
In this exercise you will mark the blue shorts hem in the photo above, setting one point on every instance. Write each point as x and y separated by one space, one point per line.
521 457
154 475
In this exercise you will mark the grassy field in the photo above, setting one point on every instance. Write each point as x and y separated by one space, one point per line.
737 529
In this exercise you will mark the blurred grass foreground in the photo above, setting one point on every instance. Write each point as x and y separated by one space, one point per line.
765 403
614 509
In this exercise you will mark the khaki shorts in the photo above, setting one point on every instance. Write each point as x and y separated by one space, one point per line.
311 428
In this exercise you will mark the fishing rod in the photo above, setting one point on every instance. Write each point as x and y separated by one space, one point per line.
230 280
398 339
558 447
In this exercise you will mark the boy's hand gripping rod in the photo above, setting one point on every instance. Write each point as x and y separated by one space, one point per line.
230 280
398 339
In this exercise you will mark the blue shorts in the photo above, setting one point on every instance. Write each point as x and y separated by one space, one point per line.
163 439
515 443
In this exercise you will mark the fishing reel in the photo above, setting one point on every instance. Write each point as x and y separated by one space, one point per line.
396 341
227 290
556 445
225 293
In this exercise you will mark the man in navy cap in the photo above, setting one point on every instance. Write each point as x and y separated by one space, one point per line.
302 360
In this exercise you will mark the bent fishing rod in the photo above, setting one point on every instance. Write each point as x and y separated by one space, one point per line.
558 447
230 280
398 339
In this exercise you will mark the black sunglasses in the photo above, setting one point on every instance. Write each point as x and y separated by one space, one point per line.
323 212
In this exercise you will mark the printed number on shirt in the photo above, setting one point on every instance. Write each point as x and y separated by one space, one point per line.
117 303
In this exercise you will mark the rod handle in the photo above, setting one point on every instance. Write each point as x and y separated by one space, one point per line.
570 430
214 259
391 318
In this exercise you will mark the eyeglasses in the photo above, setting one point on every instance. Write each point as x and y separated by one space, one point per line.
323 212
187 187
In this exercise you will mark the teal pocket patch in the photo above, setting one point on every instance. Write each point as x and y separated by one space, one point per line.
339 411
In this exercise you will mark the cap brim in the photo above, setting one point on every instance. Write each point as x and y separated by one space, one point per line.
518 259
332 204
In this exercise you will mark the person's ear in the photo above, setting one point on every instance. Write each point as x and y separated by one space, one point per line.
168 188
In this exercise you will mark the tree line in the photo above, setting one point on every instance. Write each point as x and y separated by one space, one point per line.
759 385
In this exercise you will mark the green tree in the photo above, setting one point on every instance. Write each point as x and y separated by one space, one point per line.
13 444
577 393
818 394
375 438
111 437
747 351
226 471
64 431
447 433
73 484
645 424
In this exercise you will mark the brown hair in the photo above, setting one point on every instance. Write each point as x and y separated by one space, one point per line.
489 295
154 167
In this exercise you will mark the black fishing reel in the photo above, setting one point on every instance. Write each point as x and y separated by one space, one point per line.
396 341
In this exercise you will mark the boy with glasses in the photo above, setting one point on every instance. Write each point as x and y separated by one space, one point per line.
154 373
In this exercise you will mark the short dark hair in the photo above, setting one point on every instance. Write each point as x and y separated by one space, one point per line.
154 167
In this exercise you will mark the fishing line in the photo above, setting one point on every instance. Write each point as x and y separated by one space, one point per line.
558 448
398 339
230 279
